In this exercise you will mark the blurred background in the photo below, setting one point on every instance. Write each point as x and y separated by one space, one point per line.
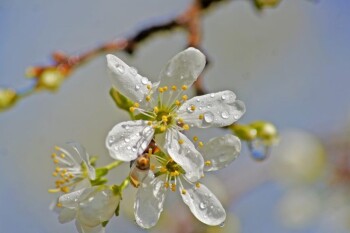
289 64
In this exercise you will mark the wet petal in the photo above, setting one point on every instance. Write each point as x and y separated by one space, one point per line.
66 215
184 153
98 207
85 157
216 109
85 229
204 205
220 152
149 201
126 79
71 200
183 69
129 139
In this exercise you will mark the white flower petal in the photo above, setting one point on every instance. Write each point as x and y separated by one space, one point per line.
85 157
71 200
220 151
149 201
183 69
184 154
216 109
85 229
66 215
98 207
129 139
204 205
126 79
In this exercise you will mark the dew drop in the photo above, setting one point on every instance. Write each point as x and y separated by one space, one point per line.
212 95
133 149
182 77
129 148
133 71
111 139
202 205
120 68
224 114
200 108
258 150
208 117
190 109
198 100
127 139
137 87
144 80
223 97
115 147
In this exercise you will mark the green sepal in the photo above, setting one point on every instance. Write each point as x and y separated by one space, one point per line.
244 132
116 190
104 224
116 212
99 181
120 100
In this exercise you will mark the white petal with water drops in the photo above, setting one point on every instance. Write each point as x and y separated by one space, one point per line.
98 207
183 69
71 200
204 205
85 229
184 154
126 79
129 139
217 109
149 201
220 151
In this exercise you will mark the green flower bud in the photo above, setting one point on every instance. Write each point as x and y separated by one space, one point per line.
244 132
266 131
51 79
121 101
8 97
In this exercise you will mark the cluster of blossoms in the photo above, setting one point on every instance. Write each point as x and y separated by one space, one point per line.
161 156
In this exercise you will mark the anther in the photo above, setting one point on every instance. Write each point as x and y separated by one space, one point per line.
180 121
162 128
174 88
195 138
148 98
53 155
165 88
57 148
132 109
207 163
149 123
149 86
184 87
200 116
54 174
166 185
184 97
193 107
136 105
173 187
184 191
186 127
161 90
181 141
56 161
65 189
62 155
156 109
200 144
59 205
178 103
198 185
164 118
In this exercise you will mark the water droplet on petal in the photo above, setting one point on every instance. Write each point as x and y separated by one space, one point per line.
225 114
137 87
223 97
133 149
190 109
111 139
208 117
144 80
182 77
212 95
258 150
133 71
120 68
129 148
202 205
127 139
198 100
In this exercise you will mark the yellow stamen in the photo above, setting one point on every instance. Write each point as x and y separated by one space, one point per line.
57 148
184 97
180 121
184 191
174 173
178 103
166 185
53 155
164 118
148 98
150 150
200 116
193 107
62 155
162 128
184 87
65 189
156 109
174 88
149 123
163 169
57 169
53 190
207 163
195 138
132 109
198 185
186 127
173 187
200 144
165 88
59 205
136 105
56 161
161 90
181 141
54 174
149 86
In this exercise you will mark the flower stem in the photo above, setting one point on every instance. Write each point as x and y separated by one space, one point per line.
125 183
113 165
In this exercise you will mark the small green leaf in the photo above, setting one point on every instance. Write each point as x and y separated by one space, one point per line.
101 172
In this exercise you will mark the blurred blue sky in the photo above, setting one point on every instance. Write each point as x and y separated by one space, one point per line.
290 65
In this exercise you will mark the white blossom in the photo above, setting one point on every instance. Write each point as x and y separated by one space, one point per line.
164 111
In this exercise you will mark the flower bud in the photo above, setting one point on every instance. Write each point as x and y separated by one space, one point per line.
7 98
51 79
121 101
265 131
244 132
